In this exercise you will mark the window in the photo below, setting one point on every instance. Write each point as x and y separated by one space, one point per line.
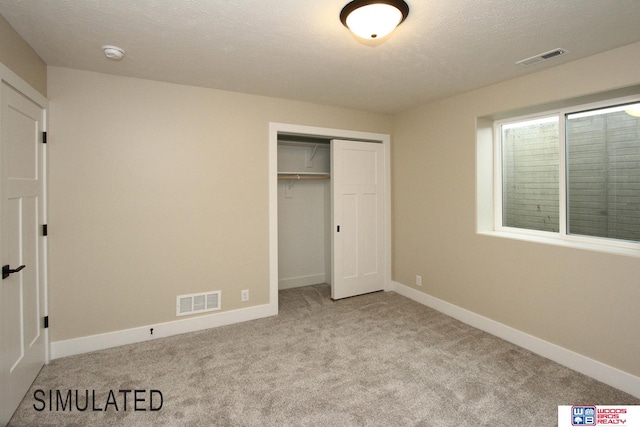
530 171
571 174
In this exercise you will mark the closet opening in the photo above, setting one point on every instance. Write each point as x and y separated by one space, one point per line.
313 231
304 211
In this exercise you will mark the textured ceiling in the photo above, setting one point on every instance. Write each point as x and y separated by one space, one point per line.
298 49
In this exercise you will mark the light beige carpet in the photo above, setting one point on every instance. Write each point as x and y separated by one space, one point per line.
374 360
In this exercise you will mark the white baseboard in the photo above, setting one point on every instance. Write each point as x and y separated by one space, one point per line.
607 374
297 282
161 330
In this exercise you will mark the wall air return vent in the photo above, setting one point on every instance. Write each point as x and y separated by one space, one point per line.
542 57
197 303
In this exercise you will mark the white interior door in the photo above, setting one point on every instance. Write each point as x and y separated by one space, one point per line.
23 350
357 183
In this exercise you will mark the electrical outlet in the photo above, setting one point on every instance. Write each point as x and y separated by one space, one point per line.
244 295
418 280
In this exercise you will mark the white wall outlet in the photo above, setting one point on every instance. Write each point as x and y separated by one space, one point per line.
244 295
418 280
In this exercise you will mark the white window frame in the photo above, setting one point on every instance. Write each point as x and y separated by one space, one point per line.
561 237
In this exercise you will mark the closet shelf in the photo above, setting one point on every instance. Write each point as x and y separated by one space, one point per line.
304 175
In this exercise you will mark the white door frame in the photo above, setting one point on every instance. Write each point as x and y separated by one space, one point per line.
12 79
326 133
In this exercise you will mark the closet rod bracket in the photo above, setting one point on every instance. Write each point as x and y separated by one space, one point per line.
293 181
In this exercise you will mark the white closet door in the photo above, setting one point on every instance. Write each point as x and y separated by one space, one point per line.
22 287
357 183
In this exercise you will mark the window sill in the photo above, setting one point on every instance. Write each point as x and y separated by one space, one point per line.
567 243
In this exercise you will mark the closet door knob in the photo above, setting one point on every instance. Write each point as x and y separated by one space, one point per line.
7 271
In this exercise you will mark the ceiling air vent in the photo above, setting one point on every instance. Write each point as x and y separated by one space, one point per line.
542 57
197 303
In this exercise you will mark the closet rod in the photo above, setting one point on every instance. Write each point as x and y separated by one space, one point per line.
296 176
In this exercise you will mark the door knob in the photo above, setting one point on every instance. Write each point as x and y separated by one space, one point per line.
7 271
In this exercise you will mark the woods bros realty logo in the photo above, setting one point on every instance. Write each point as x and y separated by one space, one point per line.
592 415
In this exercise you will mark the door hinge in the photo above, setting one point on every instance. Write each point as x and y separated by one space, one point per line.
44 137
45 230
46 322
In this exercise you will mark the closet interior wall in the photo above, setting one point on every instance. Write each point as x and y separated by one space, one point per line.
304 213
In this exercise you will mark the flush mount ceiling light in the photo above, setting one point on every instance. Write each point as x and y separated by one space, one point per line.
374 19
114 53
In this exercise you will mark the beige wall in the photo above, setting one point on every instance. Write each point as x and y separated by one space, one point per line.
582 300
20 58
158 190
